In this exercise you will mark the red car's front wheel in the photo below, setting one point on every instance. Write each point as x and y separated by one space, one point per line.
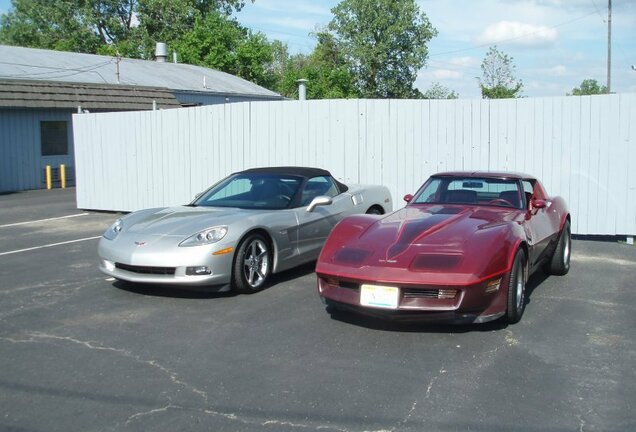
517 288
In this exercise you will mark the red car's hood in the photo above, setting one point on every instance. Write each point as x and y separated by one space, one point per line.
397 238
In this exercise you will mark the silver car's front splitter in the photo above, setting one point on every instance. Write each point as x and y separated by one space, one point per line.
164 256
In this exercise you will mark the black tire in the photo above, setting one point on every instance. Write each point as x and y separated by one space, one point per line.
252 264
517 289
560 262
375 210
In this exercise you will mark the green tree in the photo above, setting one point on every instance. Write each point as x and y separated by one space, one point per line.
588 87
498 80
51 25
439 91
220 42
130 27
384 43
325 68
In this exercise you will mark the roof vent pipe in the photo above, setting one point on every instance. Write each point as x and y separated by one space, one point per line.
302 88
161 52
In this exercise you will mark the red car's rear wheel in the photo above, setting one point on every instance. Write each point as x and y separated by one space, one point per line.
560 262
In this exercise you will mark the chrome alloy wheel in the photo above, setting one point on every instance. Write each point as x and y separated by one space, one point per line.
256 263
521 287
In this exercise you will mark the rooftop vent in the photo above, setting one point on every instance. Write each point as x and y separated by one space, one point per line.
161 52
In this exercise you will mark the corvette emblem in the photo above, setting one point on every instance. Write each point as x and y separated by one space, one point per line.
140 244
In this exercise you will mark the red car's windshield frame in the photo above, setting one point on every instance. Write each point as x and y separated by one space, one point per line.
436 191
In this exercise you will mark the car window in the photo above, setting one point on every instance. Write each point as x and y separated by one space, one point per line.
470 190
233 189
430 193
252 191
318 186
528 190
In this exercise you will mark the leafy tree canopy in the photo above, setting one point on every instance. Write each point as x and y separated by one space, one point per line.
384 43
498 80
130 27
439 91
325 68
222 43
588 87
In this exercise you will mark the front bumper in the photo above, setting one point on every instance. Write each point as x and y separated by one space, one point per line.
474 303
449 317
165 264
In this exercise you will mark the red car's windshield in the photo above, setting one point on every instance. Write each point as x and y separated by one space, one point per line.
472 191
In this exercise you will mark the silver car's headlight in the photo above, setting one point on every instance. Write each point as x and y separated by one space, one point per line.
205 237
114 230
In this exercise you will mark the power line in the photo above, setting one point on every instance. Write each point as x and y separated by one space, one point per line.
512 38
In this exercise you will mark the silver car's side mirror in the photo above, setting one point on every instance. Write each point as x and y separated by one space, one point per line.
319 201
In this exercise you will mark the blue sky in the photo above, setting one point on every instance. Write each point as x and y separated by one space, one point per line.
555 43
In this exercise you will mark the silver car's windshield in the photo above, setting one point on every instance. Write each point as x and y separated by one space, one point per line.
252 191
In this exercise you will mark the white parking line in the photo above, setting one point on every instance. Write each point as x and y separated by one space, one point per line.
48 245
43 220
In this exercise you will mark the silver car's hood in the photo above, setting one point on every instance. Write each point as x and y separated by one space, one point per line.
182 220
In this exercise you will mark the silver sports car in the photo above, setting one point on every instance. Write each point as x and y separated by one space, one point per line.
237 233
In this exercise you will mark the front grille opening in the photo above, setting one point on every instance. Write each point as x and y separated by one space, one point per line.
147 269
429 293
349 285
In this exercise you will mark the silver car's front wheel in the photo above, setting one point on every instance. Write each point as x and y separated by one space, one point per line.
252 265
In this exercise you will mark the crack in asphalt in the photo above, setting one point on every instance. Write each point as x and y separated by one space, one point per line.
151 412
48 294
40 337
36 337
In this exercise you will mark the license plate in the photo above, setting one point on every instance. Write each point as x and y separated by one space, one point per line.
379 296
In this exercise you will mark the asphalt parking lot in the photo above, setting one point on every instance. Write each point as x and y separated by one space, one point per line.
81 352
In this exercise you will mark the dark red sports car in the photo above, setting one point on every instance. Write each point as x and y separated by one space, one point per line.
461 250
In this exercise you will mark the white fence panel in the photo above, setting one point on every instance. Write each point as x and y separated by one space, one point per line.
580 147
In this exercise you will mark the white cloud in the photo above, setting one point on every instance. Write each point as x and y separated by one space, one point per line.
466 61
439 74
514 32
555 71
294 6
296 23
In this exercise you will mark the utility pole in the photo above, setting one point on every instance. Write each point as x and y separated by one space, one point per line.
117 61
609 46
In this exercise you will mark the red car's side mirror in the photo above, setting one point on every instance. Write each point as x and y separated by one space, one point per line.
539 203
408 198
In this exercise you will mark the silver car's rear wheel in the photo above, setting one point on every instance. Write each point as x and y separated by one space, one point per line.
252 264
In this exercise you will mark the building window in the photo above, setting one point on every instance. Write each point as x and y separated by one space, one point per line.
54 138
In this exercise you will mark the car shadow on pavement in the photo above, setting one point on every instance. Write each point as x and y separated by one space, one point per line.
533 283
291 274
171 291
414 326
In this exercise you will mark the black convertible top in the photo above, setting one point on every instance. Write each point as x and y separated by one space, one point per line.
296 171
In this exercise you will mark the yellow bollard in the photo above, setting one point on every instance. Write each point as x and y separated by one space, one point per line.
48 176
62 176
